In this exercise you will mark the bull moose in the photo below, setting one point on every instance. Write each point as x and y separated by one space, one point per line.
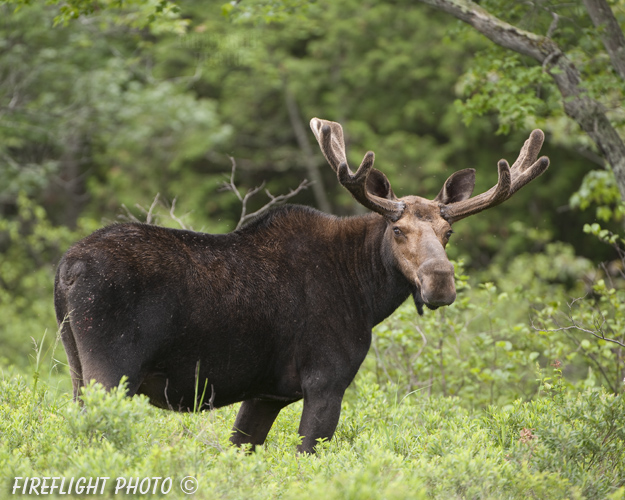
276 311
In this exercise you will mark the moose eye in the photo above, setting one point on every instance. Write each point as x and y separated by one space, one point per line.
397 231
448 234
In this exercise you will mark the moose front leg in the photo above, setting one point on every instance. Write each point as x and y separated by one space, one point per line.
322 409
254 420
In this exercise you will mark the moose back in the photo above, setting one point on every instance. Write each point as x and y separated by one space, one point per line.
279 310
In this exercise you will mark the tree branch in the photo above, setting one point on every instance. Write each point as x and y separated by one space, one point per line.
574 325
172 214
498 31
609 31
578 105
273 200
150 213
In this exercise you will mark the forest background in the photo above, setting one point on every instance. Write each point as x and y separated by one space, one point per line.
117 110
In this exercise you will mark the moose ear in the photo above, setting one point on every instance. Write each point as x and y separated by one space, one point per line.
459 186
378 185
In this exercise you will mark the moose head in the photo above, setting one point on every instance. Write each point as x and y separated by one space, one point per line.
419 229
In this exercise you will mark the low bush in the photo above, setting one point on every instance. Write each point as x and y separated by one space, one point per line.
388 445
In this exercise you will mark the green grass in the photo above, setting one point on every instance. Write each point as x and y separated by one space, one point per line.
388 445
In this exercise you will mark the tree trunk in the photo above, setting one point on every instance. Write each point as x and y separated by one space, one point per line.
309 158
72 195
609 31
587 112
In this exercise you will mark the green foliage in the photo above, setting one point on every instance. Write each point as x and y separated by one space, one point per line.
162 128
481 349
108 416
570 434
604 235
499 433
599 190
386 446
263 11
157 15
114 135
593 328
506 84
152 112
518 90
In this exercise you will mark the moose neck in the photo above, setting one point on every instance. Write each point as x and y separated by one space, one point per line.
351 253
381 286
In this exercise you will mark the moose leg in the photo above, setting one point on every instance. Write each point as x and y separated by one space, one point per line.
110 377
108 370
322 409
255 418
104 368
75 368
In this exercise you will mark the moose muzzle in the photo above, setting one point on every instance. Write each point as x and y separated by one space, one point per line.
437 282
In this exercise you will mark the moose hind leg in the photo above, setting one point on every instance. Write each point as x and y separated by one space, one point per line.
75 367
110 375
108 366
254 420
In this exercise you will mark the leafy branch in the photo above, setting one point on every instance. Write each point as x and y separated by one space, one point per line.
598 332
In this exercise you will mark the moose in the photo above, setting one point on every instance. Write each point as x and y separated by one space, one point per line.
276 311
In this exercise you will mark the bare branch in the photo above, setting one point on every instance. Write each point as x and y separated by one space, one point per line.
273 200
497 30
174 217
211 400
554 25
244 201
128 216
592 358
230 186
425 342
149 214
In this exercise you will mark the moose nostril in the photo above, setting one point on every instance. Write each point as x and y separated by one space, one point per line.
437 283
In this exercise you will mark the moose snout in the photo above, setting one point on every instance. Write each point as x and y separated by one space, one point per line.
437 282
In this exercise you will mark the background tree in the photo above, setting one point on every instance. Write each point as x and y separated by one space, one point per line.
582 52
108 107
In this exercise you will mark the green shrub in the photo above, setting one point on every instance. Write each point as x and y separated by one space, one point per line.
388 445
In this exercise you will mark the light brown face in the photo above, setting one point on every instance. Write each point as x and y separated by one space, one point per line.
417 242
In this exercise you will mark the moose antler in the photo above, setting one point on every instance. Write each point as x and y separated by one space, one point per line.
525 169
368 186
